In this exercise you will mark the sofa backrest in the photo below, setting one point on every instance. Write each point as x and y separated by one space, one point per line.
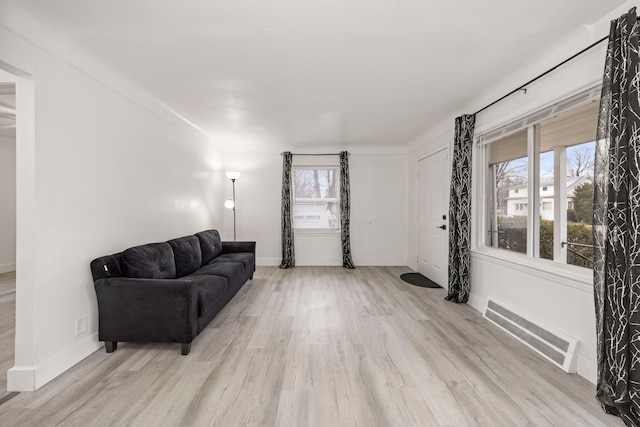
168 260
187 254
210 243
150 261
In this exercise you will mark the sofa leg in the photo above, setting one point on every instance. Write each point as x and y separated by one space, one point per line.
186 348
111 346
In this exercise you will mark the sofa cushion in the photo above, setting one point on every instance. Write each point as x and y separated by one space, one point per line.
187 254
232 271
150 261
210 243
245 258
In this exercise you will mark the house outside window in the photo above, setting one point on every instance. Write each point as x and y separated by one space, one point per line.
526 168
316 197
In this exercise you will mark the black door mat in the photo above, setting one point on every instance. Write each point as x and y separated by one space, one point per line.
418 279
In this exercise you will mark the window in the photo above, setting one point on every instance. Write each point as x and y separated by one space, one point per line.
539 185
508 168
315 197
580 204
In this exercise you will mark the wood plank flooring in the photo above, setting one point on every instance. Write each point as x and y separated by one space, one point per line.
321 346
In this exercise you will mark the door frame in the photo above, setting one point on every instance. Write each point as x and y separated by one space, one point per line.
21 377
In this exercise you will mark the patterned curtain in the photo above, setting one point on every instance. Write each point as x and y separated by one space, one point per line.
288 253
345 209
460 211
616 225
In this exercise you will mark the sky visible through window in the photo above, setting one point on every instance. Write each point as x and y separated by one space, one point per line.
546 161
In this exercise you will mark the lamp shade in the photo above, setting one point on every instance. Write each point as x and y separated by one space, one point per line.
232 175
229 204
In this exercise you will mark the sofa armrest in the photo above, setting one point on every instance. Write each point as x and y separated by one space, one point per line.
235 247
151 310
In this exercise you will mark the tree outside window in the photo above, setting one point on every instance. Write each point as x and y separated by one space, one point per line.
315 197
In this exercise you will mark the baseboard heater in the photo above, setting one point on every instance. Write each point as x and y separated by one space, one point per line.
554 346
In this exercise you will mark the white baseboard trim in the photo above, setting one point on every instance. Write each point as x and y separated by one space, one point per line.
21 379
268 262
5 268
587 369
28 378
318 262
337 262
477 303
66 359
380 262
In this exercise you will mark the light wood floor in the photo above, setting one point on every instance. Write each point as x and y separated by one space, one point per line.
7 327
321 346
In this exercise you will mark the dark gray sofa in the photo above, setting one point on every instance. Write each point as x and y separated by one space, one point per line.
169 291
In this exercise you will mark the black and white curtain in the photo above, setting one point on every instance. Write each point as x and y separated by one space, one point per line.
288 253
345 210
460 211
616 225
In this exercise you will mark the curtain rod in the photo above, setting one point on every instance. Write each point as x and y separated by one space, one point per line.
523 87
318 154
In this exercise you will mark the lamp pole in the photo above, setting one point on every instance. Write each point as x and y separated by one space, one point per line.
233 186
232 176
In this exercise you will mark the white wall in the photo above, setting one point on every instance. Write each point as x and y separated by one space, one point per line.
557 298
7 204
378 210
97 173
102 166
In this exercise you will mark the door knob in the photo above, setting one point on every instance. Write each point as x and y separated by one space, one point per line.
444 227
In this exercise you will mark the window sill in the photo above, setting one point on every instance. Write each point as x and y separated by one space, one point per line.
568 275
316 231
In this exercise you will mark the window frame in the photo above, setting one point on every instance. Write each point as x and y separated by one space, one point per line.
316 230
481 243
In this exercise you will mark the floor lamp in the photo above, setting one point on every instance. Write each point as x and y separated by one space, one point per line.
231 204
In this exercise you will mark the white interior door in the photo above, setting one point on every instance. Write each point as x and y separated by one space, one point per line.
433 219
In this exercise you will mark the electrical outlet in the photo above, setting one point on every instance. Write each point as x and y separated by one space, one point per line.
81 325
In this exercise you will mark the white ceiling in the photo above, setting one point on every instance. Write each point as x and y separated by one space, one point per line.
272 74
